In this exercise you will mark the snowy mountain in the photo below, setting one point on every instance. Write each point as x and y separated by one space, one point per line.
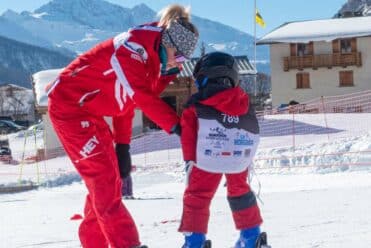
80 24
96 14
13 31
355 8
19 60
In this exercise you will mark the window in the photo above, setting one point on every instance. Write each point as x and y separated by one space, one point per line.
345 46
346 78
302 80
301 49
304 49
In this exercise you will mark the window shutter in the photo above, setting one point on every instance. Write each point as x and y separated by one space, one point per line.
335 46
353 43
302 80
299 81
305 80
346 78
292 49
310 48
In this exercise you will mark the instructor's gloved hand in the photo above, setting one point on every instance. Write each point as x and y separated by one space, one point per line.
171 71
124 159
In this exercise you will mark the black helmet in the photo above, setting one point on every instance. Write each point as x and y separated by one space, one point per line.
216 65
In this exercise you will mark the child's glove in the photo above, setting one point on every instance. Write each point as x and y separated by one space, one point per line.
177 129
124 159
188 168
188 165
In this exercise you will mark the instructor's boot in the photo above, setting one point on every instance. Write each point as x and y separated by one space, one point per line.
248 238
196 240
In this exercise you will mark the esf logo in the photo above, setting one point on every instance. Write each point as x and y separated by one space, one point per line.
243 140
217 133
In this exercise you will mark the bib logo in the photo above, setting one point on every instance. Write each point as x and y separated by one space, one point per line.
243 140
217 137
237 153
208 152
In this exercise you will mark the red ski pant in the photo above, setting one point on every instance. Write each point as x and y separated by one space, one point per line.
201 188
88 142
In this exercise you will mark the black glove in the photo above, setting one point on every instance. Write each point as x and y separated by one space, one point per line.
177 129
171 71
124 159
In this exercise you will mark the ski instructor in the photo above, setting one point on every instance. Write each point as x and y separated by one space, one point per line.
119 74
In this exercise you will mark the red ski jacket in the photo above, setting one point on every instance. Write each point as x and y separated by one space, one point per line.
232 101
114 77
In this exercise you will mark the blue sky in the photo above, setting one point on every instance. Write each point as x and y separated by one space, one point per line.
235 13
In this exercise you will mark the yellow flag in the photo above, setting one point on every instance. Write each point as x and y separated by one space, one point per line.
259 19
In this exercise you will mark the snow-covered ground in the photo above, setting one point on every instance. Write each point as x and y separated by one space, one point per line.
307 200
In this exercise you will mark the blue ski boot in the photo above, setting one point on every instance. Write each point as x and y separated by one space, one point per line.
248 238
196 240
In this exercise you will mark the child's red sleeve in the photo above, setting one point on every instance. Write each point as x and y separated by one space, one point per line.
188 138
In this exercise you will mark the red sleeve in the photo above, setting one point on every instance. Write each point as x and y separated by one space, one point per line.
123 125
139 88
162 83
188 139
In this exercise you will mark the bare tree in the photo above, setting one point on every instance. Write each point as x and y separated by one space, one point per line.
2 102
13 101
203 49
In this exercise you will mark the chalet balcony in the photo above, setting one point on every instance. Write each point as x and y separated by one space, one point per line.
322 60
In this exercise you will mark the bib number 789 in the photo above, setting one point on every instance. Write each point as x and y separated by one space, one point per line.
230 118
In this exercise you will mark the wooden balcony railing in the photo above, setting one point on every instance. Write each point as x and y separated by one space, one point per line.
322 60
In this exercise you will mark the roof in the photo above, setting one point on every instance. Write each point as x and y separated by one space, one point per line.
244 66
40 80
319 30
13 86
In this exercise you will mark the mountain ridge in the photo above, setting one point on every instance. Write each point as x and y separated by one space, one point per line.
84 23
18 61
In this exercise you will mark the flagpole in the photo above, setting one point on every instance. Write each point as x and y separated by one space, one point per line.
254 16
254 33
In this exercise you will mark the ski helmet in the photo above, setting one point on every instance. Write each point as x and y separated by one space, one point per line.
216 65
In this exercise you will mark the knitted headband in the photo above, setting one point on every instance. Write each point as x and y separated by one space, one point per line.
181 38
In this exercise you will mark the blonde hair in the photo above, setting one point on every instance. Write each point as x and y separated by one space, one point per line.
176 12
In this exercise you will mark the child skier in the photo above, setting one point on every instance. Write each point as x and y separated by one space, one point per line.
220 134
